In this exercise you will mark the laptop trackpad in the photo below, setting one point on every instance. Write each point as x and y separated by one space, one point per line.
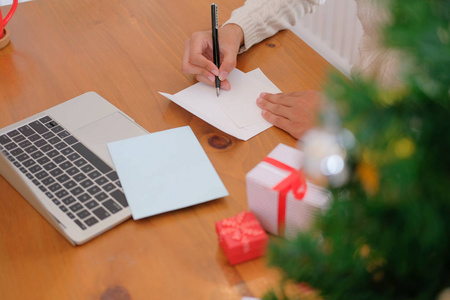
112 128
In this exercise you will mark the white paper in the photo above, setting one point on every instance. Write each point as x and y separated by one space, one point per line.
164 171
234 112
239 103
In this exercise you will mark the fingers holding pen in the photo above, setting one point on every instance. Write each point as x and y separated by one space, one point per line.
196 57
197 60
198 54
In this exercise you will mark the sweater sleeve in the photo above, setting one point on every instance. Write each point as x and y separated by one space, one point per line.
260 19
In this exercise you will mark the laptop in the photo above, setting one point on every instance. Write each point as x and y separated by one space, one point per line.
59 162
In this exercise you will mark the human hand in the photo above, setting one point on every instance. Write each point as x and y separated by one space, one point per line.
294 112
198 54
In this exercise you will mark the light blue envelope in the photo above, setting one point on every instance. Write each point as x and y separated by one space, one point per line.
164 171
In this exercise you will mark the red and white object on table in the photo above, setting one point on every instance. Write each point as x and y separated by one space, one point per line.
280 197
241 237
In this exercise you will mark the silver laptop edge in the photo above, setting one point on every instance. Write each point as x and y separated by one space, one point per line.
85 117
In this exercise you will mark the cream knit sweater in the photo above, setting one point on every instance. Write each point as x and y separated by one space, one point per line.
260 19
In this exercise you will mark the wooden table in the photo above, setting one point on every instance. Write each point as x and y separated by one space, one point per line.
127 51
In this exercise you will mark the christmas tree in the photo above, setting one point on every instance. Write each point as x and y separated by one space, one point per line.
387 233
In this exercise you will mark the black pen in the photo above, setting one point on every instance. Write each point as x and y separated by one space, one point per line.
215 38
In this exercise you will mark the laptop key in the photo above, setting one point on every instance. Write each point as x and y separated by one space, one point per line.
52 124
11 146
16 152
120 197
62 178
70 184
57 128
78 222
83 198
31 149
76 207
34 137
72 171
46 148
26 130
22 157
76 191
112 206
94 174
20 138
80 162
101 213
48 135
67 151
37 155
36 125
54 140
54 172
79 177
101 181
69 200
28 163
63 134
4 139
70 140
43 160
48 180
52 153
113 176
13 133
108 187
90 221
50 166
91 204
35 168
87 168
65 165
45 119
41 175
92 158
101 196
87 183
54 187
59 159
25 143
61 145
61 194
94 190
83 214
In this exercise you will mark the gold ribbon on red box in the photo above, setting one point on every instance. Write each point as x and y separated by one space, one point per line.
294 182
240 229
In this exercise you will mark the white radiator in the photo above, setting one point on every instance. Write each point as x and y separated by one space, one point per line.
334 32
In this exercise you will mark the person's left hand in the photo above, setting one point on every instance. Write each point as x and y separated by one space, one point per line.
293 112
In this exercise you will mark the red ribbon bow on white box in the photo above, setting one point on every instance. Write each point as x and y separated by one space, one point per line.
294 182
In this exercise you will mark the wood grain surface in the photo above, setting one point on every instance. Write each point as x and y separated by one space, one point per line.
127 51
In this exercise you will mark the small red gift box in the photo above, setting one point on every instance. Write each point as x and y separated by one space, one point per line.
241 237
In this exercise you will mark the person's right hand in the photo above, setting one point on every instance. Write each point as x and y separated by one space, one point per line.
198 54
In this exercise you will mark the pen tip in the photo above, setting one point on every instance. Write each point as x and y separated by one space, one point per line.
217 91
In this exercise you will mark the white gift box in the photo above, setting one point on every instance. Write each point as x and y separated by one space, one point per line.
278 214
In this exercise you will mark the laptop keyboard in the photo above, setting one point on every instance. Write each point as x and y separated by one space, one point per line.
74 179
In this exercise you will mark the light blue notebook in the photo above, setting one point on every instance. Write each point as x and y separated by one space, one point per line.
165 171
